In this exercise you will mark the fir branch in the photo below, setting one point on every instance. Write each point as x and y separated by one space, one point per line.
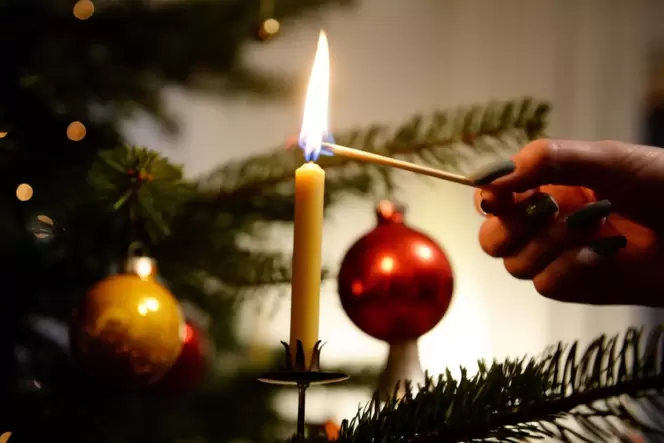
142 182
486 128
277 204
244 269
563 395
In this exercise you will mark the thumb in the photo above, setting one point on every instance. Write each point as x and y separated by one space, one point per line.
630 176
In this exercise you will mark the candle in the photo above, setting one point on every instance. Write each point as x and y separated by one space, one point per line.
307 242
308 220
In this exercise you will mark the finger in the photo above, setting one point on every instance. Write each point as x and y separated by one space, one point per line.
488 202
501 236
585 274
607 271
576 163
508 233
548 244
624 173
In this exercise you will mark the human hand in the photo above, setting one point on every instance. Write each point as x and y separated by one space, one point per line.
582 220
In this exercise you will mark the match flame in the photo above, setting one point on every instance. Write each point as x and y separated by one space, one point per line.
314 123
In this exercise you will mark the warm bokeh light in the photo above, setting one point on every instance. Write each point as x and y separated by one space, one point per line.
270 27
42 233
3 134
148 305
46 219
314 123
332 430
24 192
84 9
76 131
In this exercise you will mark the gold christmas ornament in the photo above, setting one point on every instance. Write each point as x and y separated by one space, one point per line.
129 329
76 131
83 9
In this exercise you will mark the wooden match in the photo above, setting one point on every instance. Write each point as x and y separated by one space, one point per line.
399 164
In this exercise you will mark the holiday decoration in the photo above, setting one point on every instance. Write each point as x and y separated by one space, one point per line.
83 9
190 366
395 284
129 329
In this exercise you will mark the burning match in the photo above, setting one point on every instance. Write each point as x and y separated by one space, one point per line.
315 139
399 164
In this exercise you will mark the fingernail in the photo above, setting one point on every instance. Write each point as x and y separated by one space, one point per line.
540 207
590 215
492 172
608 246
485 207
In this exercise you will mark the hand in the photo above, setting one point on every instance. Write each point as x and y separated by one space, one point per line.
582 220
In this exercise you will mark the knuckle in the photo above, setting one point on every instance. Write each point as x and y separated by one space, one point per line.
545 152
491 242
547 287
492 249
518 268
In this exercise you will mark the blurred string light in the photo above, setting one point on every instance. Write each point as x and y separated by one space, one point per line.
42 228
24 192
3 134
269 26
83 9
76 131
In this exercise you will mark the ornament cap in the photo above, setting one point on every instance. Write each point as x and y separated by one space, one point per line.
139 263
389 212
144 267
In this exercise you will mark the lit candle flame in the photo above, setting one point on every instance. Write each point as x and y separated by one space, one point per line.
314 123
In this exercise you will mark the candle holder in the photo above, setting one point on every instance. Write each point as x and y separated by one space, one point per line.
299 374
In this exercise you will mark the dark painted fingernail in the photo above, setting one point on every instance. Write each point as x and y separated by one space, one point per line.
608 246
485 206
590 215
492 172
540 207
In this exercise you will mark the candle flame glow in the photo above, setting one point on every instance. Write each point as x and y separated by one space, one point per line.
314 123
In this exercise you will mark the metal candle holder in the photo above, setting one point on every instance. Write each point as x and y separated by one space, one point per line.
298 374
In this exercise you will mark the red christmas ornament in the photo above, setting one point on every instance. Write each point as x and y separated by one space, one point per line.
395 283
190 367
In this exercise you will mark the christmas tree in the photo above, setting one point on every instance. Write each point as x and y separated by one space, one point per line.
76 199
